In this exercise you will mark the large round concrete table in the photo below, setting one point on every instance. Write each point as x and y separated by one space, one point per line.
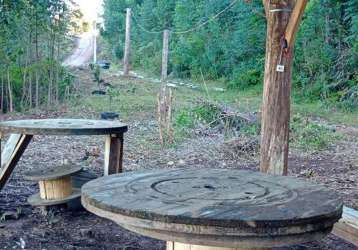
215 209
22 131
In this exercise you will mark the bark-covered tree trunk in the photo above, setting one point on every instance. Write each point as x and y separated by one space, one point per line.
277 90
9 91
2 101
37 74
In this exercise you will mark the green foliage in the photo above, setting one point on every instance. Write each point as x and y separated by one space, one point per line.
232 46
307 135
252 129
184 119
97 73
33 41
208 113
113 95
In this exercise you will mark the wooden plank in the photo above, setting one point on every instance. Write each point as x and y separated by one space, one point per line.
294 22
9 148
13 151
347 227
113 158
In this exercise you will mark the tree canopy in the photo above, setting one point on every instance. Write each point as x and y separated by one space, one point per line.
232 46
34 36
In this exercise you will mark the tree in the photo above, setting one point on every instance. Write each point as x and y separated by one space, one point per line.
34 35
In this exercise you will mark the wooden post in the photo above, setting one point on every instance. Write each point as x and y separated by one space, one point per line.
277 85
113 157
165 55
294 22
127 46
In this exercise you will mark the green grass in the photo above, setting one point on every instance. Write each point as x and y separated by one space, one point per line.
309 136
136 99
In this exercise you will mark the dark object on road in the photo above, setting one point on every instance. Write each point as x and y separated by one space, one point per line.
104 64
99 92
109 115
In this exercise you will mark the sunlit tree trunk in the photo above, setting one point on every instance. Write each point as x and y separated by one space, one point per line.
9 90
277 90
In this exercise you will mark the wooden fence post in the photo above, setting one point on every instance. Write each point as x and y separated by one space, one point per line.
127 46
165 55
277 83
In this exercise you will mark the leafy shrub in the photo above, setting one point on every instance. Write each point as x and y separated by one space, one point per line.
207 112
247 74
184 119
252 129
349 99
307 135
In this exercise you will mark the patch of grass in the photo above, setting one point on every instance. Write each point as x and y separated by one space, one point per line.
207 113
184 119
250 129
308 136
326 111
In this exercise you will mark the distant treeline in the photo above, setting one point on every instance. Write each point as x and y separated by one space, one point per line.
33 39
232 47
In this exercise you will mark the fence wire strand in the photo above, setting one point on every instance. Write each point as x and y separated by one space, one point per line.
200 25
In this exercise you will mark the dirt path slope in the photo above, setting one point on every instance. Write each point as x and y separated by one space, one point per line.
83 53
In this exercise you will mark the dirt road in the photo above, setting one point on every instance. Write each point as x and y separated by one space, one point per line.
83 52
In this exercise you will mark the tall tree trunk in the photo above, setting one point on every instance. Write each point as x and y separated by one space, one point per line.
37 76
9 90
327 22
57 88
52 69
24 78
30 90
23 97
277 90
2 97
37 89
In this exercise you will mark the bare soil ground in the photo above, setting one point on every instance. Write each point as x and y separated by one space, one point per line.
27 228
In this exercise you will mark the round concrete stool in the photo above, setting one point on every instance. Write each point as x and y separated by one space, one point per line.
55 185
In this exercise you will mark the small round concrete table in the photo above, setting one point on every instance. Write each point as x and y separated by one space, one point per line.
22 132
215 209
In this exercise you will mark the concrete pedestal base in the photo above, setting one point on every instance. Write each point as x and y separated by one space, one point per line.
181 246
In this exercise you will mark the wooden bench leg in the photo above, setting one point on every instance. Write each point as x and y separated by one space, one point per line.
13 150
113 158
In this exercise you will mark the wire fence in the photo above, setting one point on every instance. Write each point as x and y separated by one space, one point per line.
192 29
